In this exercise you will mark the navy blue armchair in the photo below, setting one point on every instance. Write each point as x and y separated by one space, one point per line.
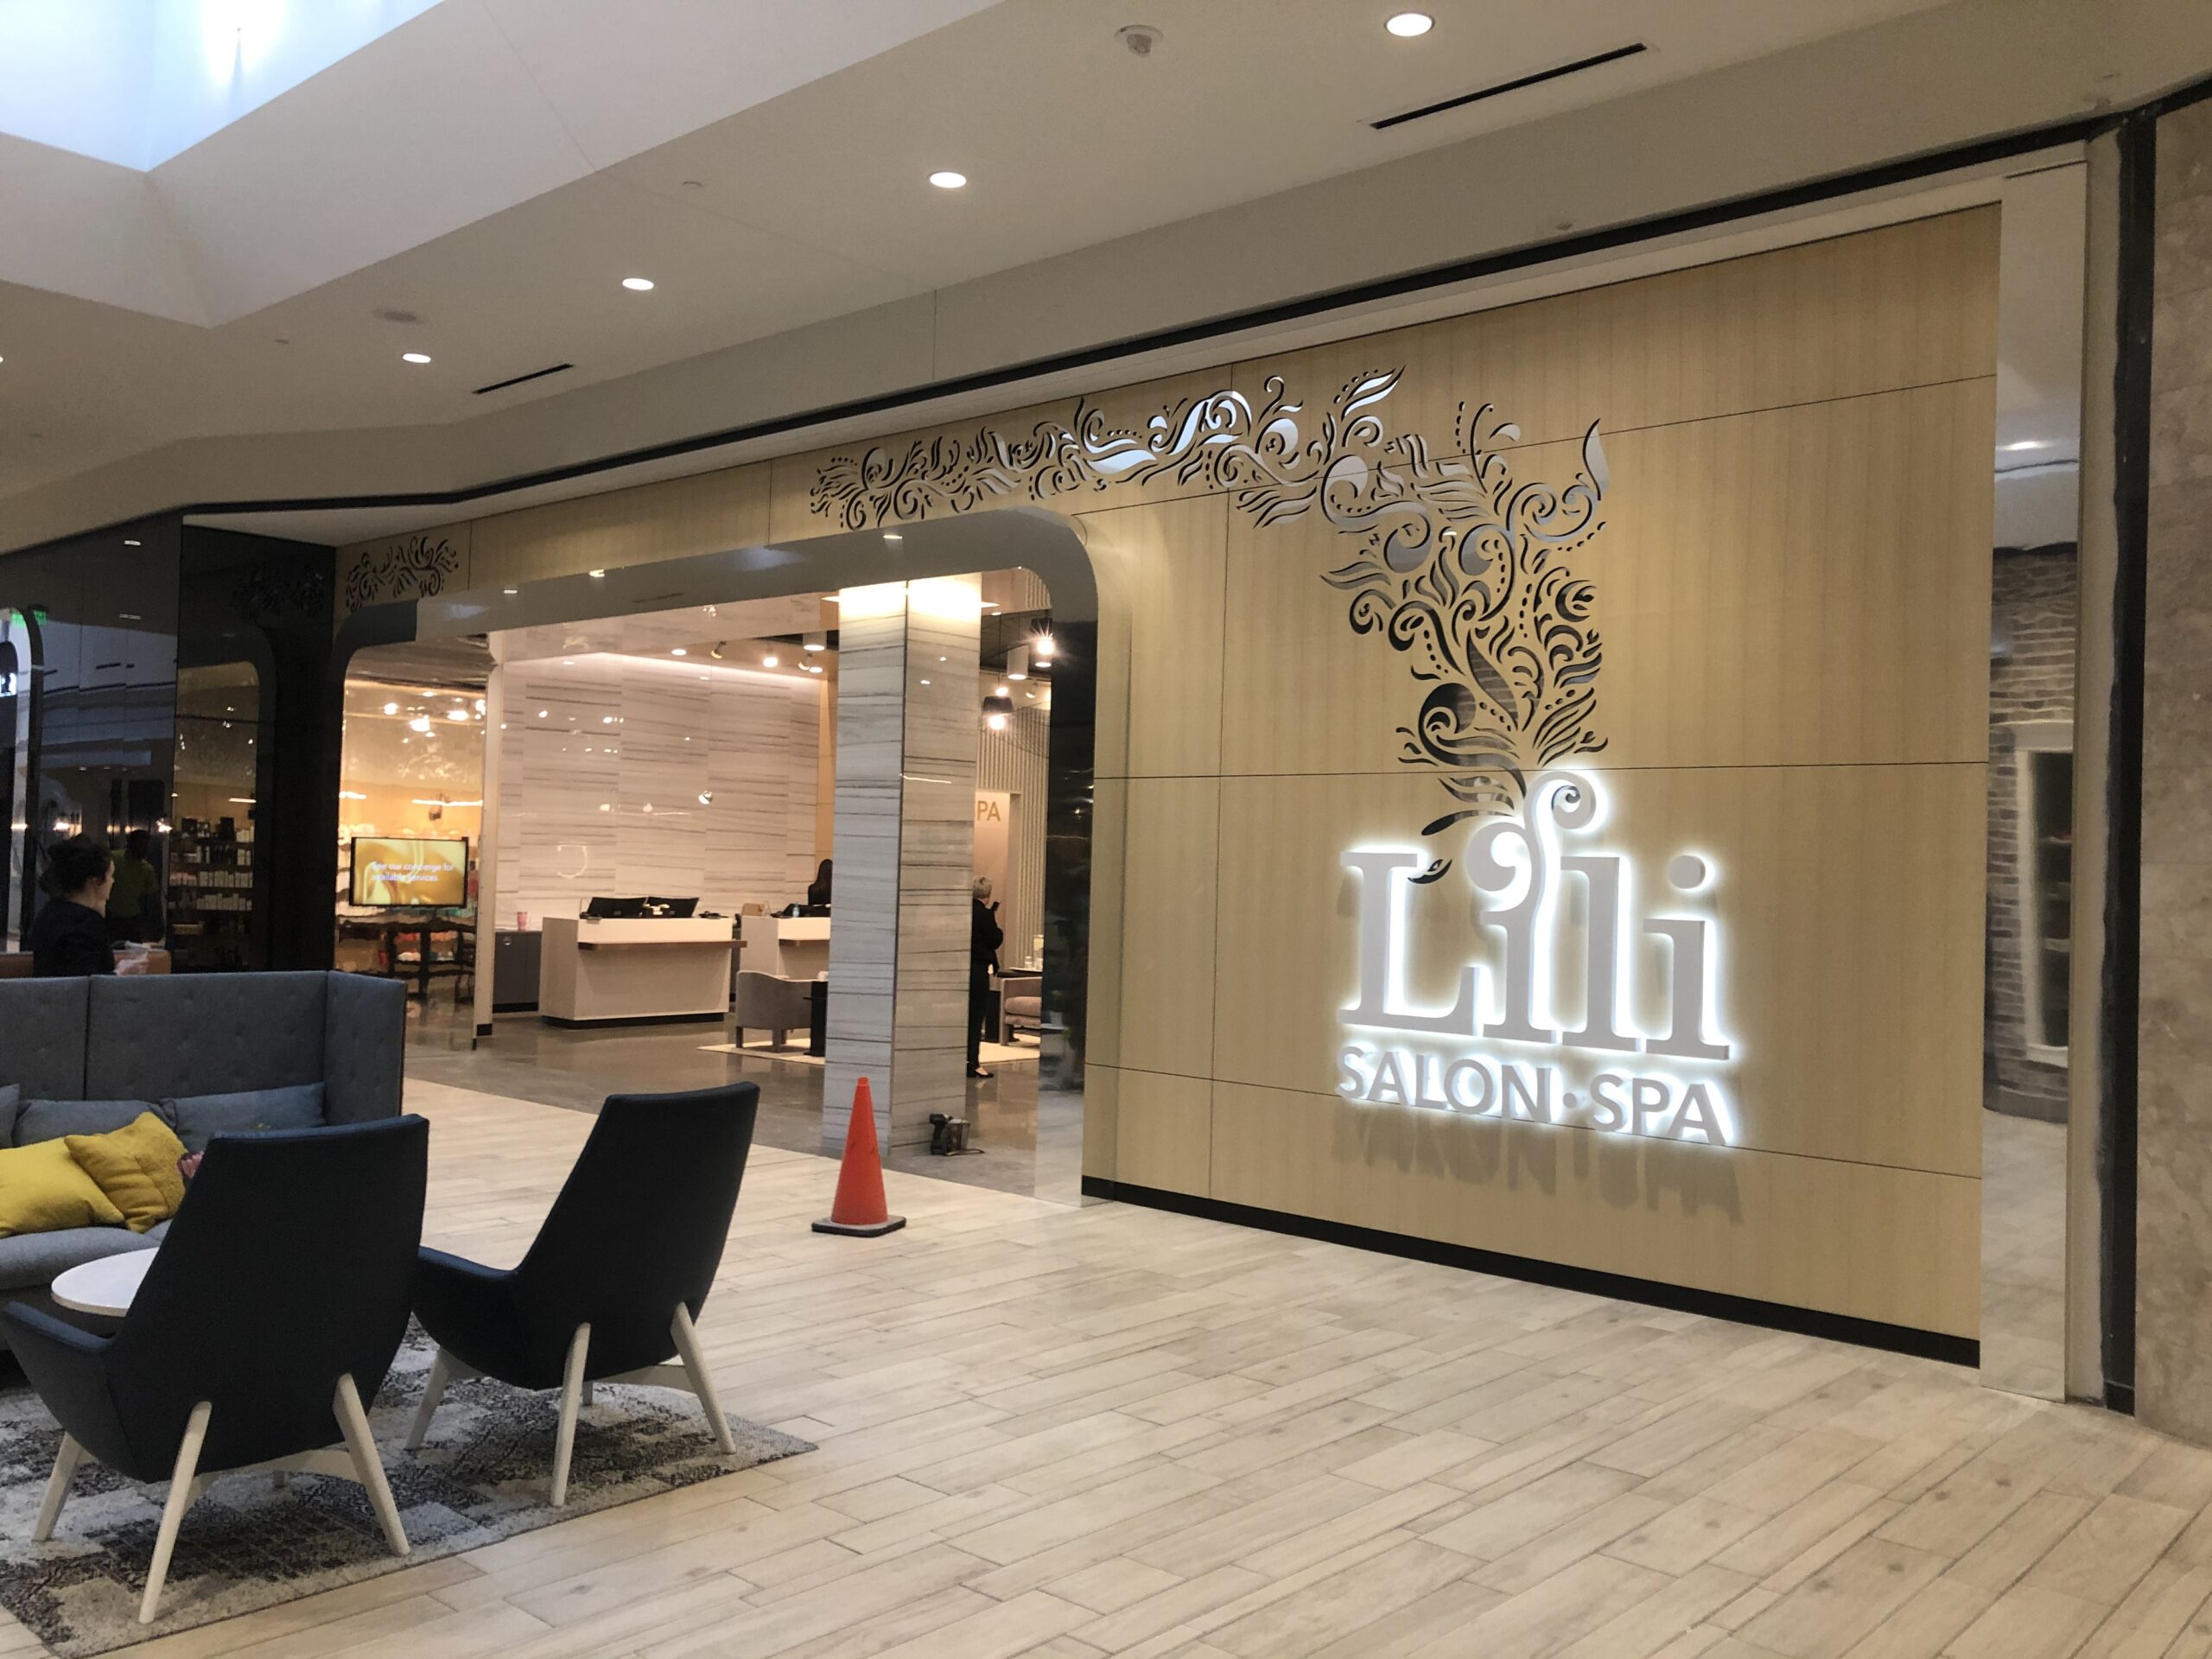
270 1315
612 1285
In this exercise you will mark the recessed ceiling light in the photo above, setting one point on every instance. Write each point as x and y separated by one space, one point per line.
1406 24
677 650
770 660
128 542
392 708
639 284
596 575
2028 443
510 591
947 180
414 357
892 537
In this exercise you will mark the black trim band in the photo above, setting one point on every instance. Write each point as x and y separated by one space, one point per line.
1501 88
2119 997
1742 1310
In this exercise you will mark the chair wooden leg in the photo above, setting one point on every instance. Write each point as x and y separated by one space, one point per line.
57 1489
368 1467
183 1490
434 1390
702 1380
572 1390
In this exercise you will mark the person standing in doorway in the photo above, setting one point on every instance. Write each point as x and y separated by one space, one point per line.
134 903
983 941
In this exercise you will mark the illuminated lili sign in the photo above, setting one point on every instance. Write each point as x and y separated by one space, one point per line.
1503 1049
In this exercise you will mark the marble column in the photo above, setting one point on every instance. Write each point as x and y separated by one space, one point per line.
904 828
2173 1221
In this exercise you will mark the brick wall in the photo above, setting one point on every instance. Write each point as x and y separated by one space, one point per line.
2031 678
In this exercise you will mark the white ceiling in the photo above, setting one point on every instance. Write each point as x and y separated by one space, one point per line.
496 166
208 330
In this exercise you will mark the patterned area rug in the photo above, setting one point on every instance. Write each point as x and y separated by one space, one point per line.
482 1477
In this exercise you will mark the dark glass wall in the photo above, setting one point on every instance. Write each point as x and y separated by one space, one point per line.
163 686
88 722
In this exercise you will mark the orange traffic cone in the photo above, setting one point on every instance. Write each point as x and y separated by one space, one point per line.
858 1208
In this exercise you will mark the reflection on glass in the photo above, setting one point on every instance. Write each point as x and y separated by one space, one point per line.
210 886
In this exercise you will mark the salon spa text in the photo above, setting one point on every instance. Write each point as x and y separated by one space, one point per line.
1620 1070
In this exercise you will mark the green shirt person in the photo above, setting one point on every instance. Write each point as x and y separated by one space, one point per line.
134 910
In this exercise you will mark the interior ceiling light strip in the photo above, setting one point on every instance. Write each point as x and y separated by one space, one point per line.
1513 85
535 374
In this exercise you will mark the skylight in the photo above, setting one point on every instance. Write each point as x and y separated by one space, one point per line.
137 81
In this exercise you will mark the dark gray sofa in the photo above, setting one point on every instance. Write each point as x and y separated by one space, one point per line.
160 1037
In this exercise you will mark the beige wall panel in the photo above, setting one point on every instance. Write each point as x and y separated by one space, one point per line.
1163 1131
1907 305
1160 577
1849 910
999 460
1110 837
1166 1006
1799 586
1102 1117
709 514
1890 1244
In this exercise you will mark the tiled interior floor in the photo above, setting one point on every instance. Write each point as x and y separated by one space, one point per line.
2023 1254
1071 1430
1037 1154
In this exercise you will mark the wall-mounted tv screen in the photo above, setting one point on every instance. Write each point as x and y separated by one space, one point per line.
406 872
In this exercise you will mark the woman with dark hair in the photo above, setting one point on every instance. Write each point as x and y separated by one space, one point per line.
817 891
69 936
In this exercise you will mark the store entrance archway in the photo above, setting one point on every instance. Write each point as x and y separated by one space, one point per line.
914 560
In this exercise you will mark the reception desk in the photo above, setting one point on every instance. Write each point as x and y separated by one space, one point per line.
790 947
626 971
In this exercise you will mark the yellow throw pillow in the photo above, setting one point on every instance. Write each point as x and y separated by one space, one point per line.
134 1166
42 1190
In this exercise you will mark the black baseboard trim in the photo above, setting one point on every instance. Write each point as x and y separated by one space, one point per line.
514 1008
635 1020
2120 1397
1742 1310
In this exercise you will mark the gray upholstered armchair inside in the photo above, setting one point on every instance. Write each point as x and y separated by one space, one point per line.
767 1002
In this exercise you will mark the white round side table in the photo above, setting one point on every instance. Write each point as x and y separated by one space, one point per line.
105 1286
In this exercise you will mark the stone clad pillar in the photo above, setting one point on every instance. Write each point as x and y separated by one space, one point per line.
905 807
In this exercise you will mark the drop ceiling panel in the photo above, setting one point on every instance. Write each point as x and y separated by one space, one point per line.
703 60
542 285
433 127
1067 139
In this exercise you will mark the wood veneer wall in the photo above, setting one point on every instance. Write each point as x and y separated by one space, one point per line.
1792 589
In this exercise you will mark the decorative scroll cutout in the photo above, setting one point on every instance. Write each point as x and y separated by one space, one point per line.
416 568
1459 567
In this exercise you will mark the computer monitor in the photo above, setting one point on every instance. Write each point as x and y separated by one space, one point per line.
606 909
410 873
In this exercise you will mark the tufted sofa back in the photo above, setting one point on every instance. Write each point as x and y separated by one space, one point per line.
150 1037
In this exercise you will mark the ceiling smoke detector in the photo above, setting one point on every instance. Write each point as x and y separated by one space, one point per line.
394 314
1139 39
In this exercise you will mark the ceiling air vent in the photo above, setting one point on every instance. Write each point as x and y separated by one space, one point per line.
516 380
1513 85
